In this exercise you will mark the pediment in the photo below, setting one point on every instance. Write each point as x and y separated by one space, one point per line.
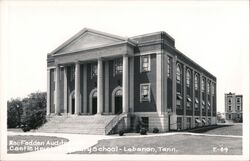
87 39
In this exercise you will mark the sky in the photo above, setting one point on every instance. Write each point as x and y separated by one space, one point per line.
212 33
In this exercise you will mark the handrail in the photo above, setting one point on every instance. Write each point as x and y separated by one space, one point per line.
113 122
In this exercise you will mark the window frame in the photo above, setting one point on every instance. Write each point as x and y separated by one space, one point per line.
196 82
115 65
208 87
188 78
178 66
149 92
141 63
203 81
169 67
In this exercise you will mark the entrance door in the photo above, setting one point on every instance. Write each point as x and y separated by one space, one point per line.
118 104
73 106
94 105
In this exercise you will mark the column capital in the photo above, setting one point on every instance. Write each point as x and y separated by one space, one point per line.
125 55
100 59
77 62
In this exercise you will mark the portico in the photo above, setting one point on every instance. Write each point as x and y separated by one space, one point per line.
77 99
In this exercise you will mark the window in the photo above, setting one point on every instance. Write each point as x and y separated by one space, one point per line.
145 63
208 87
178 74
238 108
169 67
188 123
209 121
203 104
145 92
212 89
188 77
93 70
203 85
118 66
196 105
238 100
179 123
189 100
229 116
229 101
229 108
196 82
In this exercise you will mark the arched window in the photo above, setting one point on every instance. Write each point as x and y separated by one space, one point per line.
118 93
188 77
178 73
196 82
212 89
203 85
94 94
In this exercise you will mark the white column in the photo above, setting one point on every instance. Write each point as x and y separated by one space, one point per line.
65 88
48 91
131 84
85 89
57 91
125 84
159 84
99 87
106 87
77 88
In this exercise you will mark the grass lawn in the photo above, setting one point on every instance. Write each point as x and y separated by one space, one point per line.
29 143
235 129
173 144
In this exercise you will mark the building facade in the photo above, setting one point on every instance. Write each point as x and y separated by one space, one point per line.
233 107
96 73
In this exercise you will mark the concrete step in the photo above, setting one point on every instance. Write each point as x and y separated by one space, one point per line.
86 124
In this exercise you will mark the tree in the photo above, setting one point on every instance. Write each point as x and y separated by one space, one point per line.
34 114
14 112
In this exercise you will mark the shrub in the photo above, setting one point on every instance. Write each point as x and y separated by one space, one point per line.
28 113
121 132
25 128
156 130
143 131
14 112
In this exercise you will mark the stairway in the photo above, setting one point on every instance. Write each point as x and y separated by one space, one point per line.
85 124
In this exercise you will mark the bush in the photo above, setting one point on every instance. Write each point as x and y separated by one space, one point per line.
14 112
35 120
25 128
156 130
34 114
121 132
143 131
28 113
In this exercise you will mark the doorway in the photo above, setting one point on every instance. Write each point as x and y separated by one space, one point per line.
94 105
118 102
73 105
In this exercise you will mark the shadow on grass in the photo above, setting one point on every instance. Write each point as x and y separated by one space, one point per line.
207 128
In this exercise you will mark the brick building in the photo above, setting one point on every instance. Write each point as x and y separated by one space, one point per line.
141 78
233 107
